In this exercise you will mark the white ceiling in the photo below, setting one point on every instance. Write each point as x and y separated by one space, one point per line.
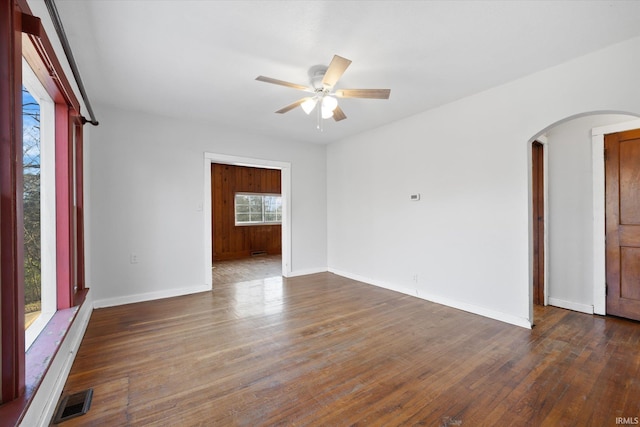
199 59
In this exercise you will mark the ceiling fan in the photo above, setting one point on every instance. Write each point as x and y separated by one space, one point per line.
323 80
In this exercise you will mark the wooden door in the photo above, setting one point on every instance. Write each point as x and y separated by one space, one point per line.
537 190
622 192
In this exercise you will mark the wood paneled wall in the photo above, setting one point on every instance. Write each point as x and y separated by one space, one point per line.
235 242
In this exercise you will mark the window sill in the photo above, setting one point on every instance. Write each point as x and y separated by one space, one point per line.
256 224
37 360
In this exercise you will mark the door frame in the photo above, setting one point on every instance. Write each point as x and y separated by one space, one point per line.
285 177
599 248
545 213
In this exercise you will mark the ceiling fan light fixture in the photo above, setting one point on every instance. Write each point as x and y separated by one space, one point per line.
309 104
329 103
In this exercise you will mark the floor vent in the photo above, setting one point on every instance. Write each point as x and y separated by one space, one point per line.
258 253
73 405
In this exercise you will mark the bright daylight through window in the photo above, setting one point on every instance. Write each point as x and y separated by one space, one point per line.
252 209
38 205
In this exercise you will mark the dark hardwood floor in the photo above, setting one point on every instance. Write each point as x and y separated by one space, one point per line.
322 350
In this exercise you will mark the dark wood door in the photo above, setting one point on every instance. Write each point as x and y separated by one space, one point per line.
537 190
622 189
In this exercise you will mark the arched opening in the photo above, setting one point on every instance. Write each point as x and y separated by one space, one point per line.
573 215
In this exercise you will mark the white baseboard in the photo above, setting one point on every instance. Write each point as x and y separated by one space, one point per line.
582 308
149 296
391 286
44 401
481 311
471 308
307 272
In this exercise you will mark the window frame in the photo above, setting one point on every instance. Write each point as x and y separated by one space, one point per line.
40 55
254 223
23 35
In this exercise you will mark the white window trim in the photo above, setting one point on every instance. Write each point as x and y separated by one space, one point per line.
47 203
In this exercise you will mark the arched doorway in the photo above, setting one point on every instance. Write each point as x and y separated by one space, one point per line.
573 237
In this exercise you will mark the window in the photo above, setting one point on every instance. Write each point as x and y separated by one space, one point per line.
254 209
45 166
38 199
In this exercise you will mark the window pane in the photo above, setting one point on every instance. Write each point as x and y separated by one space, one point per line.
274 219
242 217
242 209
270 204
38 198
256 207
256 217
273 208
31 207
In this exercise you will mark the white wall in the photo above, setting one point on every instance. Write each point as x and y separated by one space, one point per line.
570 211
467 239
146 195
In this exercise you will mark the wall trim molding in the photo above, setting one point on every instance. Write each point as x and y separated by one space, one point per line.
470 308
582 308
150 296
308 271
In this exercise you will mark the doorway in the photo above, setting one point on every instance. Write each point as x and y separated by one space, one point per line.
246 223
285 177
538 217
574 236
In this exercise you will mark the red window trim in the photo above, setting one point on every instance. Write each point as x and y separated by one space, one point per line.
63 202
39 53
22 34
10 207
41 56
80 283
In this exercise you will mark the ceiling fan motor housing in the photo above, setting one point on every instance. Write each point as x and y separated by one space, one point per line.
316 74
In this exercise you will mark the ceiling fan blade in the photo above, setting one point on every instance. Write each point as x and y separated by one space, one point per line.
364 93
282 83
336 69
338 114
291 106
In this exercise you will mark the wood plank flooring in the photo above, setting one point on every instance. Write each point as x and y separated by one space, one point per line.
243 270
322 350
